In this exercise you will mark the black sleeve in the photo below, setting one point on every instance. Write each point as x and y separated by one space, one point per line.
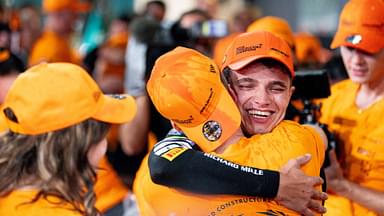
176 165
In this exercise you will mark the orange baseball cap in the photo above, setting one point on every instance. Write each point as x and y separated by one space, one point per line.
307 47
361 26
52 96
73 5
249 47
275 25
220 47
185 87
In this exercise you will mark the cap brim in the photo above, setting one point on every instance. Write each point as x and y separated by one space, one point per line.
116 109
368 44
226 114
245 61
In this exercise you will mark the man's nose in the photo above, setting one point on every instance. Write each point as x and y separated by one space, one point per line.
357 57
261 96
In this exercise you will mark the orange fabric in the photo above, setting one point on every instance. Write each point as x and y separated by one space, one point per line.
109 189
360 137
220 48
361 26
248 47
4 55
13 205
307 48
52 47
57 5
269 151
53 96
206 102
275 25
152 140
110 64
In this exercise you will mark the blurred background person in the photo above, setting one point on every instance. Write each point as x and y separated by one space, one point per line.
54 45
276 25
307 51
5 35
30 29
10 67
155 9
355 177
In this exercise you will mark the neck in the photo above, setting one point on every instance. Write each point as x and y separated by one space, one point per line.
370 93
231 140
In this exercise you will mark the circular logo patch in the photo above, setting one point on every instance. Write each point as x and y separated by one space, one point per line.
212 130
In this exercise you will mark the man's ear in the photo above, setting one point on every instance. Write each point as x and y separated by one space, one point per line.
291 91
232 92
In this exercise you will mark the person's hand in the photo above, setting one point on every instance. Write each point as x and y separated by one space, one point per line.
297 191
334 174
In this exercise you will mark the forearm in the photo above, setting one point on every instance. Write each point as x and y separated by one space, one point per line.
134 135
371 199
204 173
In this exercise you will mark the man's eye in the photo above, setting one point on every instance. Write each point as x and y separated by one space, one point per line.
278 89
246 86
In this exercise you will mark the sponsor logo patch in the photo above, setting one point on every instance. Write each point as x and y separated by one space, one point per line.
212 130
173 153
354 39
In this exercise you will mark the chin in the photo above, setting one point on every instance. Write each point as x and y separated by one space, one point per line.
359 80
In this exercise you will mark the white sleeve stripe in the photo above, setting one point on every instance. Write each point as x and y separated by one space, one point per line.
163 144
166 142
165 149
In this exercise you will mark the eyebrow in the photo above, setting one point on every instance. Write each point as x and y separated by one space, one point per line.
245 79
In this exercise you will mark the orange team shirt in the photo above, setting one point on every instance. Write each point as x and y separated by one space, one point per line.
360 136
268 151
16 204
109 188
52 47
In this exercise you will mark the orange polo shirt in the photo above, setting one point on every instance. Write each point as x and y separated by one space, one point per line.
52 47
360 136
269 151
109 189
16 204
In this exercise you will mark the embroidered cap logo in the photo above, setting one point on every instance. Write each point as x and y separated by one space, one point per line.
212 130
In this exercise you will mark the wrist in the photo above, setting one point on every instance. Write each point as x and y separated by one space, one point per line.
343 187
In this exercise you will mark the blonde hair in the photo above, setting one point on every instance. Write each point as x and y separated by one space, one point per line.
55 162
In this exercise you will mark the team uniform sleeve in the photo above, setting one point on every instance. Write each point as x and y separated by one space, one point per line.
175 162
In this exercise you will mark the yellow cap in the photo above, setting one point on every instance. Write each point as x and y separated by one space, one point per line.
275 25
53 96
185 87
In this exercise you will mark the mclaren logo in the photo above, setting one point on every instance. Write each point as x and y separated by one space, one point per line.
242 49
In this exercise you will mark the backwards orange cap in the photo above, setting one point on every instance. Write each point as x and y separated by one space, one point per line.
249 47
48 97
73 5
361 26
275 25
185 87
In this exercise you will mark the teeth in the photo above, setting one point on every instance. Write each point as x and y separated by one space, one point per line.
259 113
